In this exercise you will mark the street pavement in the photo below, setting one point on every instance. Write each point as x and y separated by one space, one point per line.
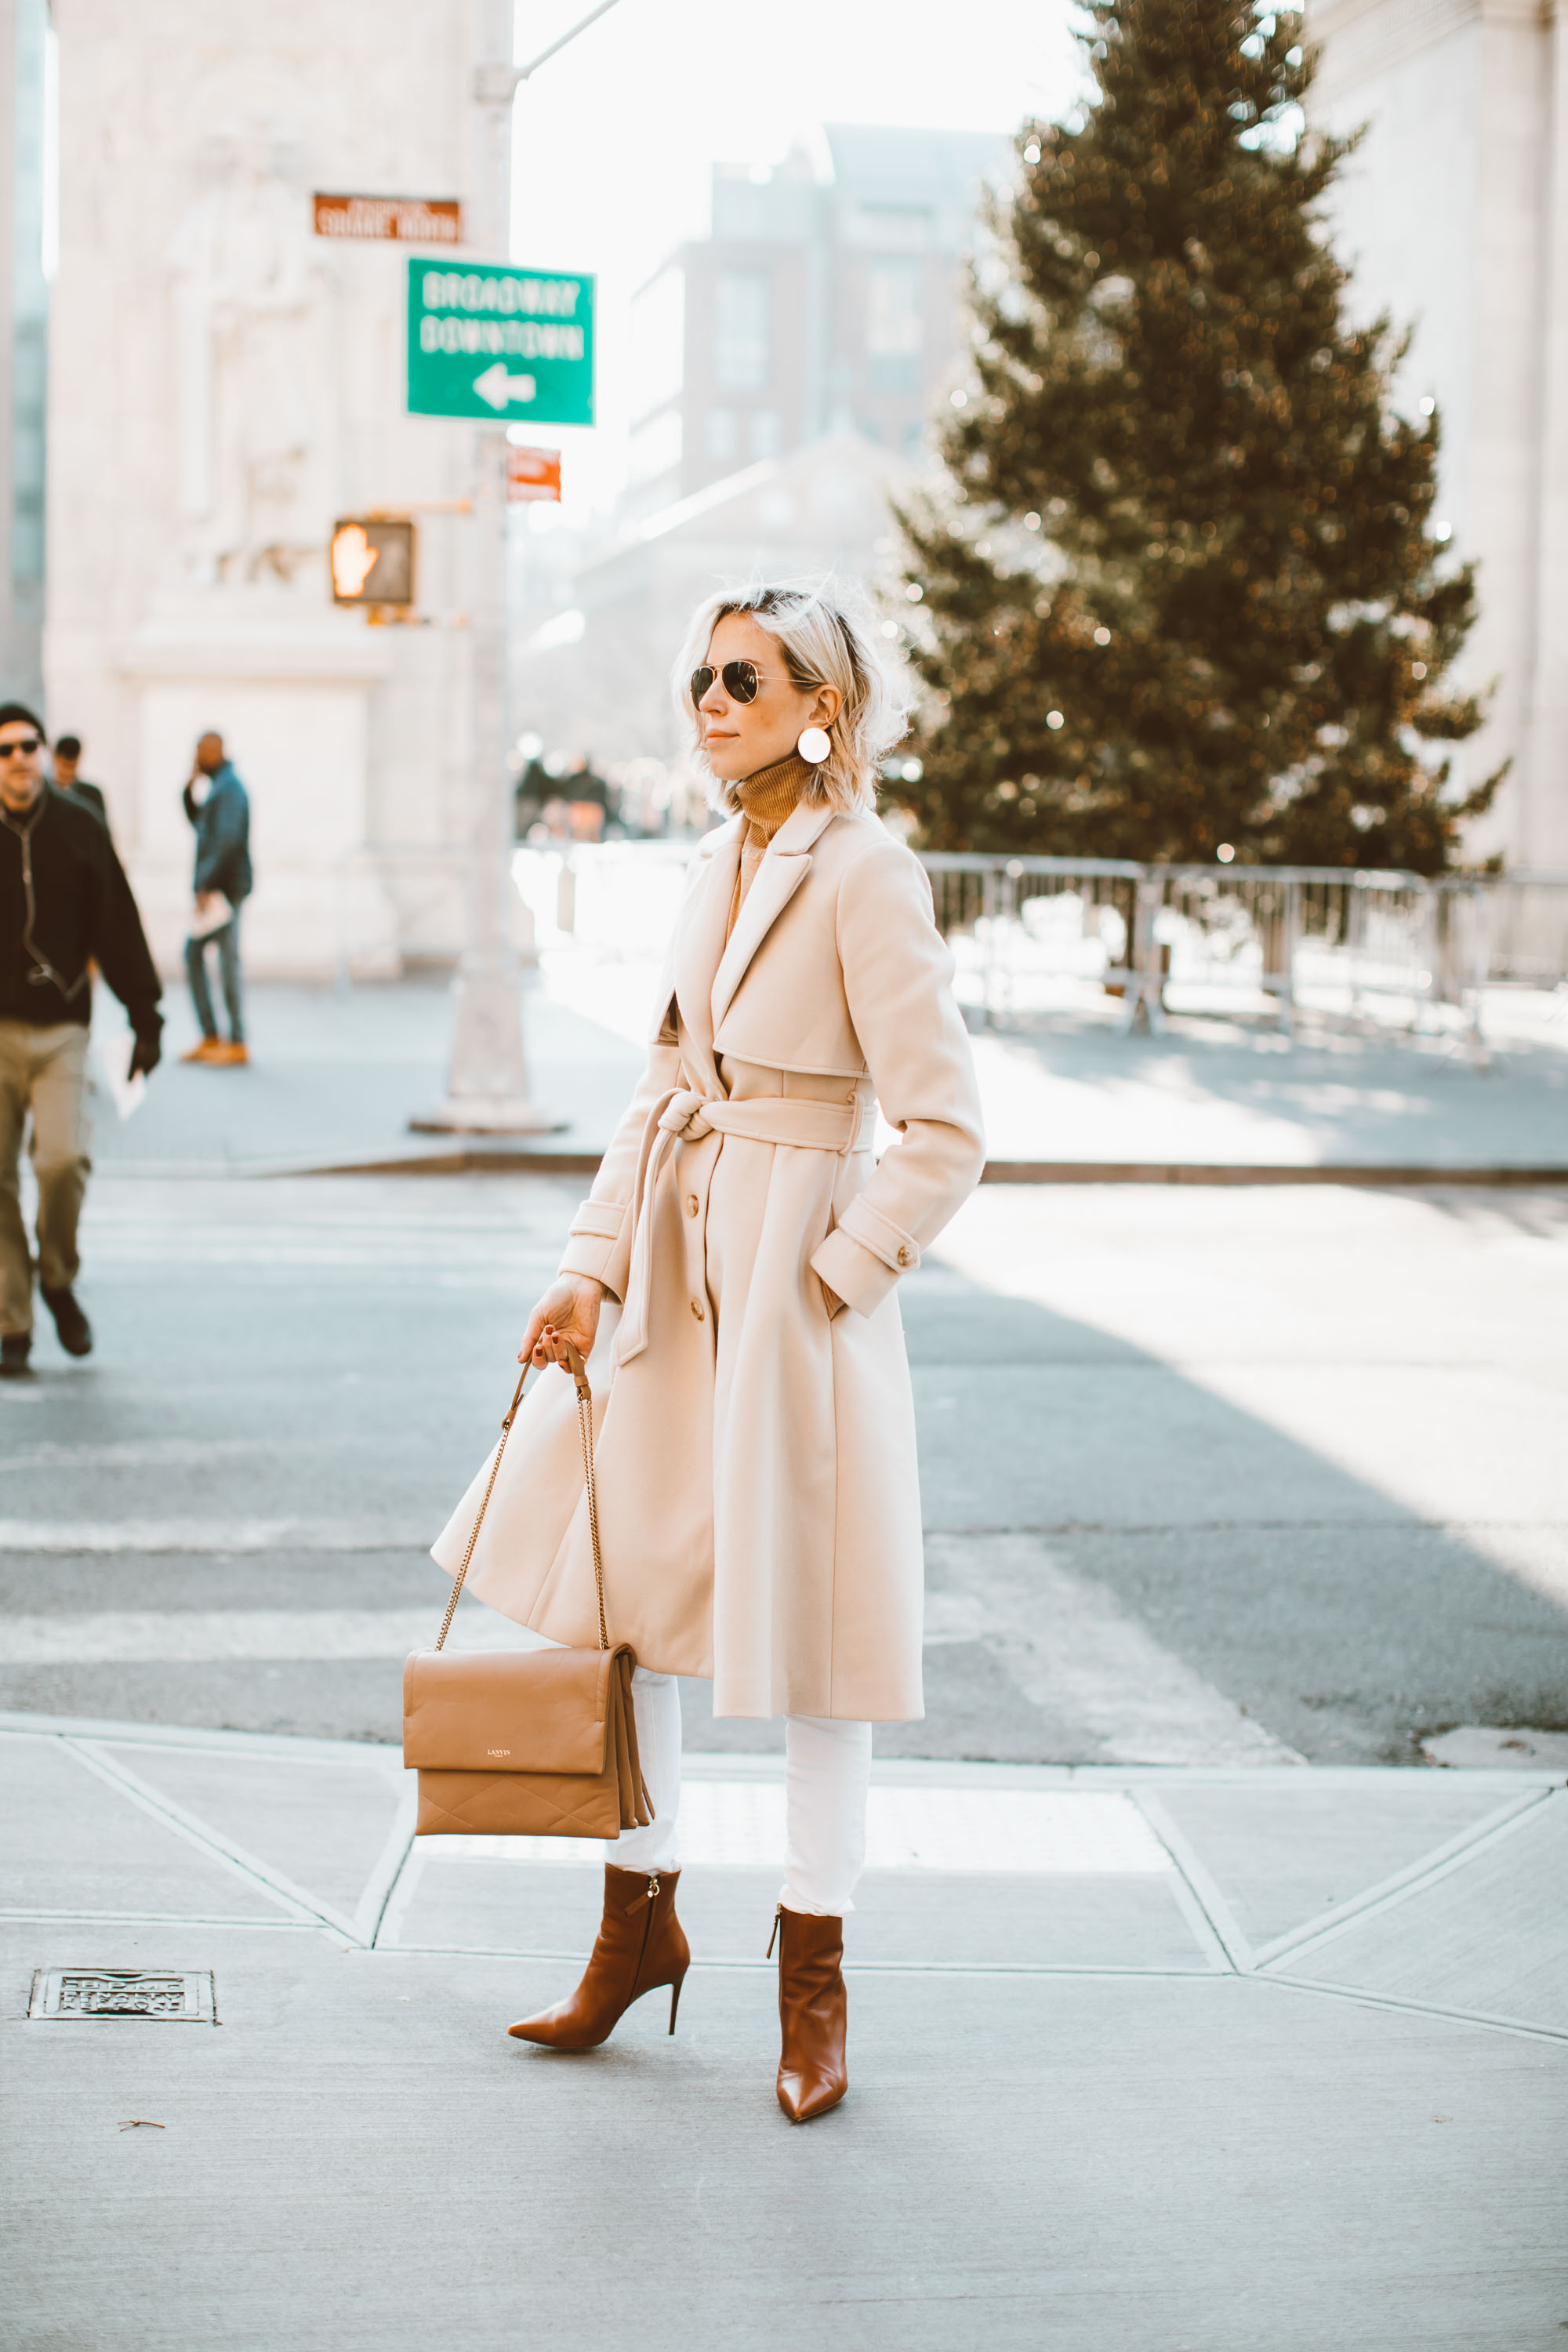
1193 2009
1209 1475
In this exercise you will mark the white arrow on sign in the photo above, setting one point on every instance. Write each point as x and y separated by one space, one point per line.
500 389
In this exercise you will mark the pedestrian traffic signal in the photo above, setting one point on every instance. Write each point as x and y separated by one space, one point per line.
373 561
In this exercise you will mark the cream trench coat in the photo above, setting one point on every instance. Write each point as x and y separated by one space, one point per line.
758 1491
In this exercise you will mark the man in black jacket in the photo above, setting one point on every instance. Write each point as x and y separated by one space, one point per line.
69 778
64 900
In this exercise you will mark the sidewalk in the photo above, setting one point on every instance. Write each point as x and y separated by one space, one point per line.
1141 2061
336 1077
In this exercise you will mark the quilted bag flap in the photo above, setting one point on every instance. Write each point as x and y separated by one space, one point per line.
507 1710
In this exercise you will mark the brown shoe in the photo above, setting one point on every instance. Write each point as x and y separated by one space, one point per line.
233 1054
211 1049
812 2013
640 1945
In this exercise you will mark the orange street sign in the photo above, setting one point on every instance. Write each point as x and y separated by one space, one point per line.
532 473
406 220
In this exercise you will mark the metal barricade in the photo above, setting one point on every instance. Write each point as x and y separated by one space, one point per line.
1527 915
618 900
1345 944
1032 934
1018 925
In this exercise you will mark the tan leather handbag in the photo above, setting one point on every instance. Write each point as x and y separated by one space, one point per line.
526 1743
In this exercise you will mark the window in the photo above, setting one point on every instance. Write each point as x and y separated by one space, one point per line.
656 445
894 326
897 228
767 433
659 342
742 304
719 439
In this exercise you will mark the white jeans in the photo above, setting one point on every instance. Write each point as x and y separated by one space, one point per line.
827 1773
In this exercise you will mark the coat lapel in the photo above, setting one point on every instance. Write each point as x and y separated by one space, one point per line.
699 947
779 877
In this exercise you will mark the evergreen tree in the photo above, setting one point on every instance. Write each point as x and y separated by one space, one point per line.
1182 581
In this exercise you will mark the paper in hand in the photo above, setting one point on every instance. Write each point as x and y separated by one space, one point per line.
114 1051
214 916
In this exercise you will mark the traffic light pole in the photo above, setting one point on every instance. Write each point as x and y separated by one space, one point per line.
487 1078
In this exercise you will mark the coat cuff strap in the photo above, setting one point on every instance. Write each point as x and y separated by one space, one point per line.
895 1248
599 1245
602 1220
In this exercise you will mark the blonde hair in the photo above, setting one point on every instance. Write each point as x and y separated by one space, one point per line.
822 631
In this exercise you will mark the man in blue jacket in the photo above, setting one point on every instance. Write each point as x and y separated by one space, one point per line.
217 804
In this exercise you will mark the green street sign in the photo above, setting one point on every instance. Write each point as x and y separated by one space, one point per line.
512 346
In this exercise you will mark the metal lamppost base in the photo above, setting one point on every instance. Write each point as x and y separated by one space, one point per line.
487 1115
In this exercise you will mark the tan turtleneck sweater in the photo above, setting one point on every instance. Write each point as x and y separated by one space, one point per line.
766 800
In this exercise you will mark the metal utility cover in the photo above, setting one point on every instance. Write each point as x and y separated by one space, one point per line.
511 346
181 1995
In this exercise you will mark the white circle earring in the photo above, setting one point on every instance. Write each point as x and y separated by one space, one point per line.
814 745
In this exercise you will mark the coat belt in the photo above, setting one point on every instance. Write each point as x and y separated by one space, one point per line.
682 1113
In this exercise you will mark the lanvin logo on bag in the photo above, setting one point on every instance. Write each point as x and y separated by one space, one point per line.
498 1752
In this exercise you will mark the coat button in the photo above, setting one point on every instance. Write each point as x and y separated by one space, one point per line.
696 1308
692 1204
905 1255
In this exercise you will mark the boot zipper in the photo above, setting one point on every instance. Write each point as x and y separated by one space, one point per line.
651 1898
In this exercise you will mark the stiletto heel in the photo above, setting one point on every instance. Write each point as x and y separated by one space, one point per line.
675 1998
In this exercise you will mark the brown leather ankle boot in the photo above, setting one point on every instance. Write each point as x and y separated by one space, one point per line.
640 1944
812 2013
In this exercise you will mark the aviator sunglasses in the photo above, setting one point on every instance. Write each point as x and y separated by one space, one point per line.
739 678
30 744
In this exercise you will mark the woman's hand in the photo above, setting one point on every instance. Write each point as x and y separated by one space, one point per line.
567 1315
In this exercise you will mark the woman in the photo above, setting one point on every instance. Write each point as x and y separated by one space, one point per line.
731 1278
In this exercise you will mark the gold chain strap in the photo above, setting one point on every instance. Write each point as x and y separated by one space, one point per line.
585 1422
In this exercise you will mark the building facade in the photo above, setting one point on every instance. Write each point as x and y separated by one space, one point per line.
1454 213
818 305
785 371
26 195
224 384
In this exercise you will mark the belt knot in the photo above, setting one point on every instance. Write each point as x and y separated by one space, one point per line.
686 1114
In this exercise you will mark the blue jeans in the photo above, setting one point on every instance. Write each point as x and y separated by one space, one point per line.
226 942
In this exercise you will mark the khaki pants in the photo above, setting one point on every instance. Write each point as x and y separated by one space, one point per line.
43 1071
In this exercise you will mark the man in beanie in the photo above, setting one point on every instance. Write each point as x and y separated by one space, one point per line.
69 778
64 902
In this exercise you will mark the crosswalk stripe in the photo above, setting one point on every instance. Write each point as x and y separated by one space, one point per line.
205 1536
180 1636
1075 1652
